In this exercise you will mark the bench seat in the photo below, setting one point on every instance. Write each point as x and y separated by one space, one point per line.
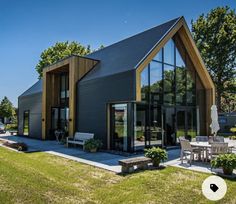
128 164
80 138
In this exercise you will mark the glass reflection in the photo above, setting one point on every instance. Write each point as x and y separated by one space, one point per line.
156 82
169 52
158 57
144 84
168 84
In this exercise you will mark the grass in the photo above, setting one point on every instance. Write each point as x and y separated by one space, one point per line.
44 178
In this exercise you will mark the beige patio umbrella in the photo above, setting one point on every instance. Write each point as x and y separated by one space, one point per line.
214 120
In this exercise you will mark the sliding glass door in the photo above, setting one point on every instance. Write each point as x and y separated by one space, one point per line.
186 124
136 126
168 125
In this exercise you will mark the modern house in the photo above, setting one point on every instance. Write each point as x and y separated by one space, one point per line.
145 90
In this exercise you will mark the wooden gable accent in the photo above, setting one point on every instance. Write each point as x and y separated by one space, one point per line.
77 67
183 32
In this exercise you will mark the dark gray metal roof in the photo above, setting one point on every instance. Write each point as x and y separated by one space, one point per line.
122 56
126 54
36 88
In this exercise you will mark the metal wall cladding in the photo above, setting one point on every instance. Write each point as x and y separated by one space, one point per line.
93 97
33 104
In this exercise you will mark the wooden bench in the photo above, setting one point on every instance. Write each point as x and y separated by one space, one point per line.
128 164
80 138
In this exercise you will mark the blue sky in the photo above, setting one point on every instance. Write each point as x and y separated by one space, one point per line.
27 27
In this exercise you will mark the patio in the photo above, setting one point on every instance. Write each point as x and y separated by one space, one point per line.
105 160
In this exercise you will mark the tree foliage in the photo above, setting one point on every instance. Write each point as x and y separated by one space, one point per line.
59 51
215 36
6 108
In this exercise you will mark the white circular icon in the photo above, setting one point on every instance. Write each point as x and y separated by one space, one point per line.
214 188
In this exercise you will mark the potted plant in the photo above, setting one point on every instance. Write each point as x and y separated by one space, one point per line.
225 161
140 138
157 155
92 145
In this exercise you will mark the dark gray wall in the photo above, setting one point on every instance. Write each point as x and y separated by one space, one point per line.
92 99
33 103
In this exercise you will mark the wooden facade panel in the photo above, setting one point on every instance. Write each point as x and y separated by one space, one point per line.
77 67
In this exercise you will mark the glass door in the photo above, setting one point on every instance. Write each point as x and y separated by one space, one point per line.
186 122
180 122
119 127
140 118
64 119
191 122
155 126
169 130
26 123
55 119
59 120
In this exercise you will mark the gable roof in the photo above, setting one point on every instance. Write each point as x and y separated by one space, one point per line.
36 88
126 54
122 56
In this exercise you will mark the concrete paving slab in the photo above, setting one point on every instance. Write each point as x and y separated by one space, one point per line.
104 160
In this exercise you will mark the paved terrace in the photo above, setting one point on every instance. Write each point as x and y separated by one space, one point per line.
103 160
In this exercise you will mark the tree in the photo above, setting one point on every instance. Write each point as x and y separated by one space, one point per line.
215 37
6 108
59 51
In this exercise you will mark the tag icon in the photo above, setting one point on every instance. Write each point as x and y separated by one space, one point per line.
214 187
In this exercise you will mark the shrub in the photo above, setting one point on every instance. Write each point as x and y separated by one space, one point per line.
11 127
233 130
156 154
140 138
92 144
225 161
233 137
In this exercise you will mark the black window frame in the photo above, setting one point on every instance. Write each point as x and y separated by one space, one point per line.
25 111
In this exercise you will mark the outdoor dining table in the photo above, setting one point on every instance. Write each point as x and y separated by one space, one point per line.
204 146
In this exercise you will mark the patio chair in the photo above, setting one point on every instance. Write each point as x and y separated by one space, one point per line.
181 138
218 148
218 139
188 150
201 139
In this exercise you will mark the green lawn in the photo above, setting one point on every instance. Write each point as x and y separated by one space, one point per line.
43 178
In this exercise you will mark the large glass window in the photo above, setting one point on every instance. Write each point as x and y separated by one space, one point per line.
64 89
190 83
180 80
169 79
169 82
26 123
180 86
159 56
139 126
169 56
119 127
155 124
191 122
156 82
145 84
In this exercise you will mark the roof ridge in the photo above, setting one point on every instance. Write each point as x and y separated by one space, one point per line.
154 27
176 21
